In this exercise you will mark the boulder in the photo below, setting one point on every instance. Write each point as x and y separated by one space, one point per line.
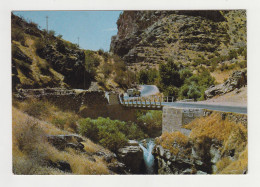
235 81
132 157
117 167
107 156
132 143
61 165
63 141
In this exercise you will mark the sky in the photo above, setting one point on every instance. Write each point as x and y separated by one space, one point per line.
94 28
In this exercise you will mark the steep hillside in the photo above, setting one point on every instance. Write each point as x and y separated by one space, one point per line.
40 59
214 39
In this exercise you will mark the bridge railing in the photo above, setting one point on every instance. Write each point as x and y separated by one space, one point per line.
153 102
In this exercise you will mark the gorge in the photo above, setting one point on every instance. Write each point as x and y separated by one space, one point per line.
67 116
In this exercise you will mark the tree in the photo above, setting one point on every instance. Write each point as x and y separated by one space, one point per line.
172 91
169 74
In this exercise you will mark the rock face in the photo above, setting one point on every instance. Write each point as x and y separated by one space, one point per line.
63 141
192 159
61 165
132 156
235 81
154 36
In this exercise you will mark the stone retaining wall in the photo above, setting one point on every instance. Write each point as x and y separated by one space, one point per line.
174 118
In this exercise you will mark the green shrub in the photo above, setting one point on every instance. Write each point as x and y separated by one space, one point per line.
112 134
88 128
194 92
58 122
194 86
152 120
171 91
148 76
184 91
185 74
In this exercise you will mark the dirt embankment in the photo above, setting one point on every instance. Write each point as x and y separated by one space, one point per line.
234 98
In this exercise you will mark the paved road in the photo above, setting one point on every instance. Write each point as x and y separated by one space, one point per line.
235 109
147 90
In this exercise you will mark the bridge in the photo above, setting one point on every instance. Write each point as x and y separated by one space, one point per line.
147 103
177 114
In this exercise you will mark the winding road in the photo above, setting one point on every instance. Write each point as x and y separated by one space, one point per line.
147 90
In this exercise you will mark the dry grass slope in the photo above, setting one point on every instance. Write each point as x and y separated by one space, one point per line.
31 151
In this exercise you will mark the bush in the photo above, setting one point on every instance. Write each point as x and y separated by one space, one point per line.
18 35
150 121
242 64
194 86
122 78
185 74
58 122
167 141
91 63
52 32
39 45
171 91
194 92
28 135
112 134
232 54
184 91
148 76
107 69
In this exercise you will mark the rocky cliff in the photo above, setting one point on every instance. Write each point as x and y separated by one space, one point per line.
186 36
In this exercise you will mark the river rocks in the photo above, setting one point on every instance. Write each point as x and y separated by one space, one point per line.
169 163
132 157
106 155
132 143
117 167
197 157
63 141
235 81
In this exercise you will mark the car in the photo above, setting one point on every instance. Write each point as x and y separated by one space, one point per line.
133 92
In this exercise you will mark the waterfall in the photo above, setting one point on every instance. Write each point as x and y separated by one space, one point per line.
148 157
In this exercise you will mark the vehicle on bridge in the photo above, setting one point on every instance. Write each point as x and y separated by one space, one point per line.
133 92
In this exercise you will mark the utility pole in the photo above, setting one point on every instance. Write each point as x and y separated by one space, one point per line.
78 41
47 23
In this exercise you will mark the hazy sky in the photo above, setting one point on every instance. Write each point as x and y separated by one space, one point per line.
94 28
